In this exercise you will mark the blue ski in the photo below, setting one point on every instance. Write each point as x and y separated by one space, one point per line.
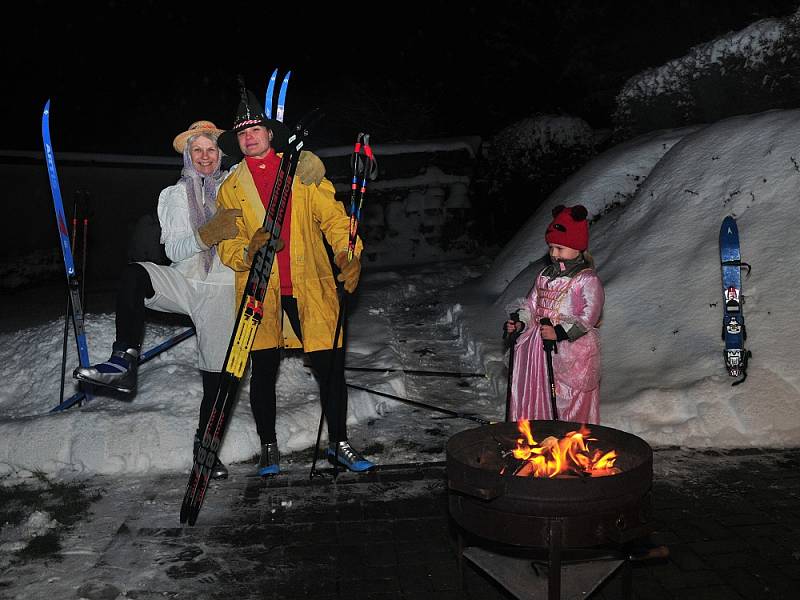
66 250
270 94
282 98
733 330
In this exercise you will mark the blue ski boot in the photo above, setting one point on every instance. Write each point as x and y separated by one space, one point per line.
269 464
118 372
342 453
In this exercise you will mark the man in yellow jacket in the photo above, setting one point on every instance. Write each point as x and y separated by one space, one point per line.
301 289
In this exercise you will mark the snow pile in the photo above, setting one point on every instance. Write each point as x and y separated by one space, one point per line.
656 247
152 430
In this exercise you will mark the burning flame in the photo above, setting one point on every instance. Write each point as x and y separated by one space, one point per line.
567 456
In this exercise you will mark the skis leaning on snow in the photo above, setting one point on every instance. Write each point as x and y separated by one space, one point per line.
73 284
733 330
246 325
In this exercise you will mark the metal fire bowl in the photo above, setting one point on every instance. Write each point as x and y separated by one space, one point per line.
520 510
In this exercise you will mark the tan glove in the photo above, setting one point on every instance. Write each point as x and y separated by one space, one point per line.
310 168
258 241
350 271
222 226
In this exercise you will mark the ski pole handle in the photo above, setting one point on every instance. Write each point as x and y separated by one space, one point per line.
549 345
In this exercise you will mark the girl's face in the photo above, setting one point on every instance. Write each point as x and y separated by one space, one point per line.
562 252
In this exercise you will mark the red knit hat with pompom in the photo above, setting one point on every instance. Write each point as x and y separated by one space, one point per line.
569 227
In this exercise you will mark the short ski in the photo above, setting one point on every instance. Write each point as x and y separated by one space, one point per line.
733 329
246 325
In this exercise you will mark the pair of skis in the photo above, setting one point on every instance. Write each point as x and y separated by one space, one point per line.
248 318
733 330
73 283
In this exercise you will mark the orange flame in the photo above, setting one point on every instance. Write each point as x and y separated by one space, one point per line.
569 455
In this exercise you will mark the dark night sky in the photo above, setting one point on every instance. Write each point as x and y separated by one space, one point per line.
125 77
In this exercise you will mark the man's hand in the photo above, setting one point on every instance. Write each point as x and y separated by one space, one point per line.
258 241
222 226
310 168
350 271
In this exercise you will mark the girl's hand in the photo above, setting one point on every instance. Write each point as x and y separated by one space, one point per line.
548 332
513 326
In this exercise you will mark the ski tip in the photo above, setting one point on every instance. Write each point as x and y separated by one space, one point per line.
47 106
274 74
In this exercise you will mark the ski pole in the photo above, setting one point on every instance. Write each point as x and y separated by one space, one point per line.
549 348
452 413
331 384
85 246
364 161
67 311
361 146
511 340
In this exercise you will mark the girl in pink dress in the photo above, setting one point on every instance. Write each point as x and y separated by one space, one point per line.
569 294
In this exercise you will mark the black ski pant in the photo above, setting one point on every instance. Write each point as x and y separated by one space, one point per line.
134 287
328 369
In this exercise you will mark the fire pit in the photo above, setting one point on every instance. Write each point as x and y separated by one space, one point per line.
572 509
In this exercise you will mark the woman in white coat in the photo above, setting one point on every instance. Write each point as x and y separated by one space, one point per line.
196 284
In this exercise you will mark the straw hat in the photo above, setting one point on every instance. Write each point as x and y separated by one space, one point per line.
179 143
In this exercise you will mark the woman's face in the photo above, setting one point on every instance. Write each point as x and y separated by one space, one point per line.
562 252
205 155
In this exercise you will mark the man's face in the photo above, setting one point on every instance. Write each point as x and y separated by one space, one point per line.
255 141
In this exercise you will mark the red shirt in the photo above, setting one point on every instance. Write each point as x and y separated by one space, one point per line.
265 171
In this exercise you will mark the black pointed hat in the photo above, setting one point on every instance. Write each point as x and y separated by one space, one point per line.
249 114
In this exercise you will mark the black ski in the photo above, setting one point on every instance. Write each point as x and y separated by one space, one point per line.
247 321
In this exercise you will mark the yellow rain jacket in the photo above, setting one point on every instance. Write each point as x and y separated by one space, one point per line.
315 212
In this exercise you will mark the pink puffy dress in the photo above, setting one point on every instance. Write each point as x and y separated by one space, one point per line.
574 300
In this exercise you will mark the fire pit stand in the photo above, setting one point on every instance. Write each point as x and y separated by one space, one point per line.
583 524
533 574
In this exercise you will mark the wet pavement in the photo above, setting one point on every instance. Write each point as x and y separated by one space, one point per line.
730 520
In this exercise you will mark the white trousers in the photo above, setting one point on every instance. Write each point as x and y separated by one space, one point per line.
211 306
